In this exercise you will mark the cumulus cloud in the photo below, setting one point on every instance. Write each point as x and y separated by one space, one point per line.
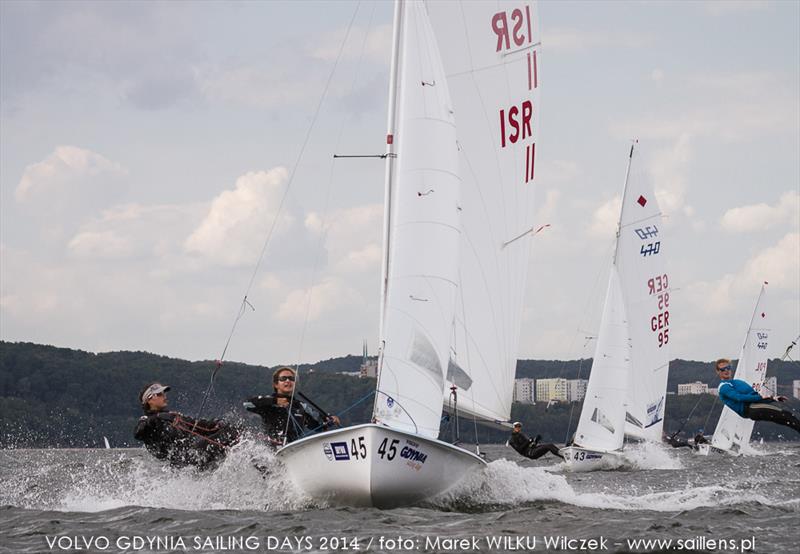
325 299
234 228
779 265
354 238
70 171
135 230
762 216
669 168
604 219
106 244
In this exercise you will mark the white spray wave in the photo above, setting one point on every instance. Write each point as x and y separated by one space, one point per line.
249 479
505 483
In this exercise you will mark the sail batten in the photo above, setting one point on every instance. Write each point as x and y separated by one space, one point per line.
423 238
492 94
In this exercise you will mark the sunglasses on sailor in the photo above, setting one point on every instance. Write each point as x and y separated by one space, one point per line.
283 378
725 368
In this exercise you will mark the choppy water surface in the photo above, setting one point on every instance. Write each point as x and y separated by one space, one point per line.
122 500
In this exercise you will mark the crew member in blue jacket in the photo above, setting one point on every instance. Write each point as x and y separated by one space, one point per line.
745 401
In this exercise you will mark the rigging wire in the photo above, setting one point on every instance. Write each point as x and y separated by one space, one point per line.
587 338
789 349
245 303
324 224
688 417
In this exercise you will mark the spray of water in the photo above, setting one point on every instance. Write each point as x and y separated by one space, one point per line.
504 483
251 480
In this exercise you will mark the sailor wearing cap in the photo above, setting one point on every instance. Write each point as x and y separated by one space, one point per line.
177 438
530 448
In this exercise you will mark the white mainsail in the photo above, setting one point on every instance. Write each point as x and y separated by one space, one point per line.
628 380
490 53
733 431
641 251
423 238
459 194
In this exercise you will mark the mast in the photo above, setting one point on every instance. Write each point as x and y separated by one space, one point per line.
622 203
391 122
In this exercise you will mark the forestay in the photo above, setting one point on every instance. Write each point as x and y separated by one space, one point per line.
491 54
641 262
423 237
733 430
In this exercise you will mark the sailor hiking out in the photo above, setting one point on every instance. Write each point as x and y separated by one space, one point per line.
179 439
530 448
747 403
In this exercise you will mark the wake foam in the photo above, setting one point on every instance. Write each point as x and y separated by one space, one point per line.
650 455
92 481
249 479
505 483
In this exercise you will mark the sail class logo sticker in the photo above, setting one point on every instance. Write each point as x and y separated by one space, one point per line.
326 448
647 232
641 201
340 451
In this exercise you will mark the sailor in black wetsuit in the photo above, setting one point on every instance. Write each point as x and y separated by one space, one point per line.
274 411
676 442
700 439
179 439
530 448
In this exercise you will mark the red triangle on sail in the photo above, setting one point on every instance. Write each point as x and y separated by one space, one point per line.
642 201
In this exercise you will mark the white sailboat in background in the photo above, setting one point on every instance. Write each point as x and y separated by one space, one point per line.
462 129
732 433
628 381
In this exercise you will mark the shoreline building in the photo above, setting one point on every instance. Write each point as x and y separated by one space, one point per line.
576 389
551 390
796 388
369 368
524 391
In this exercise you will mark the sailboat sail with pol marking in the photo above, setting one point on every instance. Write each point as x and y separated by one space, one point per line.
732 434
628 380
461 139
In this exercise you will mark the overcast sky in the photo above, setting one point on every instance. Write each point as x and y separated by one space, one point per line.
145 148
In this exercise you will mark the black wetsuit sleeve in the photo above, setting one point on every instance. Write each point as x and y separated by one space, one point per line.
519 442
146 428
258 404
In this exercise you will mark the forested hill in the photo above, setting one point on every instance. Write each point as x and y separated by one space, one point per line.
61 397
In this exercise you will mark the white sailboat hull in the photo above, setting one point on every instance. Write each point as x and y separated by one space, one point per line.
578 459
373 465
703 449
